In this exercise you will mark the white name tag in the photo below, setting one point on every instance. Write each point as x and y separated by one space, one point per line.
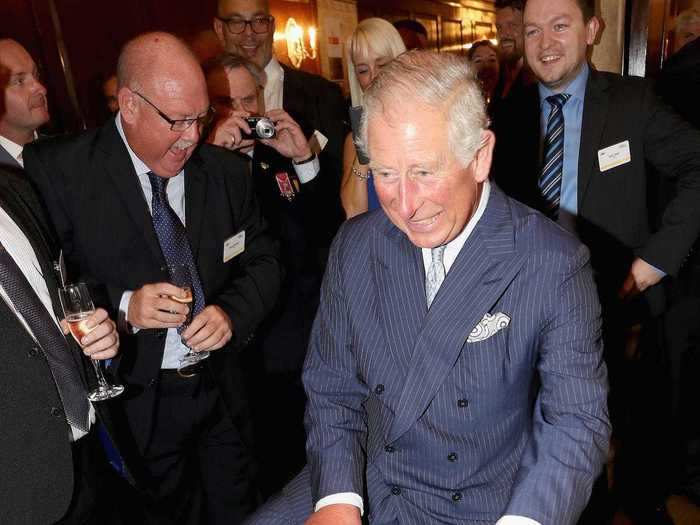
234 245
614 156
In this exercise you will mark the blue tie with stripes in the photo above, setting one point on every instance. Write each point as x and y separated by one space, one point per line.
553 162
172 238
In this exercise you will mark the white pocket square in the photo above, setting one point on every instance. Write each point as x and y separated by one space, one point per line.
488 326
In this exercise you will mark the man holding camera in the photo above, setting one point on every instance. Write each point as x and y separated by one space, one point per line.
286 179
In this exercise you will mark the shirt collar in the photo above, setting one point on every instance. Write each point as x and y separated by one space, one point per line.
453 247
14 149
577 87
139 165
273 70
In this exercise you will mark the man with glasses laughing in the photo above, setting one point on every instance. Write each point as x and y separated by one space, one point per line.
129 201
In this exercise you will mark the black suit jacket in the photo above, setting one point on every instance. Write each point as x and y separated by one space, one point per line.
104 225
318 104
298 224
615 214
36 485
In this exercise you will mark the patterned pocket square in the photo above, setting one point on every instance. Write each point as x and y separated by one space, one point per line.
488 326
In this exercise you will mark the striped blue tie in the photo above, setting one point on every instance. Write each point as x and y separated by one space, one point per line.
550 180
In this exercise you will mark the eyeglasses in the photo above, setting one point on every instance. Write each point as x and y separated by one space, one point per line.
183 123
259 24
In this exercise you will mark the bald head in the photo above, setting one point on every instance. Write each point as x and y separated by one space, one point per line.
163 100
154 59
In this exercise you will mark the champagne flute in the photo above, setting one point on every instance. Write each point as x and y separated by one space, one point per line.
77 307
179 275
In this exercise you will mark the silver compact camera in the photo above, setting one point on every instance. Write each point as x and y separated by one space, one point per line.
260 127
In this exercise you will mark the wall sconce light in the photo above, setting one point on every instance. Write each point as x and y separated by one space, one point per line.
296 50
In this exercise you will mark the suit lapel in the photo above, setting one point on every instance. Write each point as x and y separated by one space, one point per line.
401 289
195 196
485 267
595 111
23 214
294 97
126 185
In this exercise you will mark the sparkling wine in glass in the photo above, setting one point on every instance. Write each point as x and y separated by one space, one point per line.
77 307
180 276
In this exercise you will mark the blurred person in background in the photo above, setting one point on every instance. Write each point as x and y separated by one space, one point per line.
413 33
23 105
483 56
373 44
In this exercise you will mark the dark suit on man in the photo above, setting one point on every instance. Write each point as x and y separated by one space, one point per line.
106 230
41 469
431 416
318 104
275 357
679 86
617 218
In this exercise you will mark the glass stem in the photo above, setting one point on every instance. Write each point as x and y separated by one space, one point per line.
102 382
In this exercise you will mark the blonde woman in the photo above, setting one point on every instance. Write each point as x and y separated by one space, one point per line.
373 44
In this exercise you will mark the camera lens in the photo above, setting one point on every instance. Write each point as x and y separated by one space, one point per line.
265 128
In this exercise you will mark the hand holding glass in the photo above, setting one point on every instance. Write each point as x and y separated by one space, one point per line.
179 275
77 307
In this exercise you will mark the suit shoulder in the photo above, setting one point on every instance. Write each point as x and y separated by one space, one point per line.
542 238
220 161
59 144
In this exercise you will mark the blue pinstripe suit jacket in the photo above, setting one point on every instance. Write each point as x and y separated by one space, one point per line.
430 428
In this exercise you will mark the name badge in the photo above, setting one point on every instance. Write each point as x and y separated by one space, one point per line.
234 246
614 156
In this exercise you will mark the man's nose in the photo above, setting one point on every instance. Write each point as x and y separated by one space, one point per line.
407 198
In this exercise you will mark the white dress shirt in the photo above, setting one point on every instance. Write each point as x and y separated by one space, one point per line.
15 150
274 92
452 250
21 251
175 190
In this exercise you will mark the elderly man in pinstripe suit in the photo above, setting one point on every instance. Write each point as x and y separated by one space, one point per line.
455 370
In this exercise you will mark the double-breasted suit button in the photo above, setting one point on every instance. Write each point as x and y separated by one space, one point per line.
457 496
33 352
56 412
379 389
462 403
389 449
395 491
452 456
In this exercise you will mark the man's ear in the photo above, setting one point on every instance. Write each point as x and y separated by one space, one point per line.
481 163
219 30
592 27
128 106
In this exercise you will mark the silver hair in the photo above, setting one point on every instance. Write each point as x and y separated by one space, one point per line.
443 81
229 62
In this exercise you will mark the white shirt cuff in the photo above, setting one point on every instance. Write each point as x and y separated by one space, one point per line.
516 520
348 498
307 171
123 321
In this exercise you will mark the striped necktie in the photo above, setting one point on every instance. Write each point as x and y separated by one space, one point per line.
550 180
435 274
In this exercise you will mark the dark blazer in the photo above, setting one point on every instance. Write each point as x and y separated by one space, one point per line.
428 420
294 223
679 82
104 225
615 219
317 103
36 462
